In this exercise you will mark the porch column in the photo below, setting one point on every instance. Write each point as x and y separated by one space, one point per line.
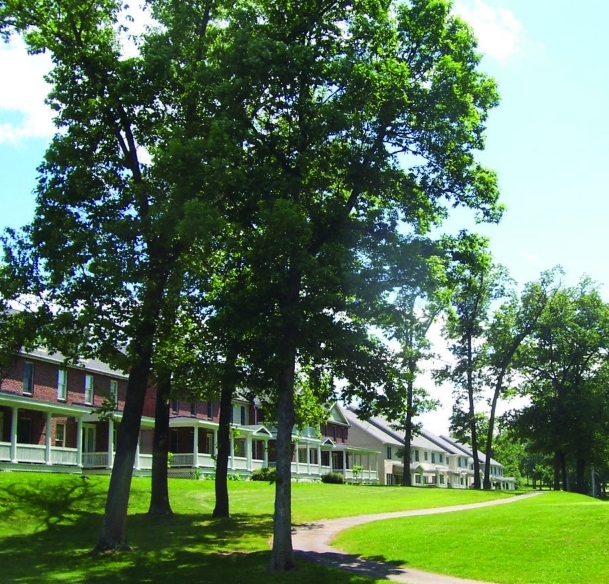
319 459
136 464
14 435
297 457
79 441
265 454
195 447
308 458
248 451
232 451
110 443
47 440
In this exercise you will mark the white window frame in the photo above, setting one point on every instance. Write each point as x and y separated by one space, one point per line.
89 392
114 391
62 384
61 440
29 388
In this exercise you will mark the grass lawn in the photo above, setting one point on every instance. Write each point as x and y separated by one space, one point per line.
556 538
49 523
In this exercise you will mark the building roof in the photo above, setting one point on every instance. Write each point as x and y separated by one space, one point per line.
371 429
94 365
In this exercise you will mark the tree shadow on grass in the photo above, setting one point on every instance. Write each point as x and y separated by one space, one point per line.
49 530
49 504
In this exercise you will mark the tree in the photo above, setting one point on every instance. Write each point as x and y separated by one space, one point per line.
337 94
420 296
510 325
476 283
109 227
565 367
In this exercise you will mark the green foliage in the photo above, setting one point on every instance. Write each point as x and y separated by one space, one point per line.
264 474
334 478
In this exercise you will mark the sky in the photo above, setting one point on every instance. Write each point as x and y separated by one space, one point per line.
548 140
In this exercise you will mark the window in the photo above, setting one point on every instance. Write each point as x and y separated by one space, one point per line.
175 406
425 455
433 458
440 458
88 389
114 391
243 412
416 455
417 479
441 479
193 408
459 461
62 384
60 435
239 447
388 454
28 378
389 479
210 409
1 426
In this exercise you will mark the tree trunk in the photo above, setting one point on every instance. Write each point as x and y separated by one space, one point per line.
159 493
556 485
491 428
222 508
282 555
580 478
472 413
406 478
563 469
114 527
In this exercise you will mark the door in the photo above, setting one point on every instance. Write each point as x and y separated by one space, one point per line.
88 438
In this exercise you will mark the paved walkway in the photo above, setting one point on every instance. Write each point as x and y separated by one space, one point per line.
311 541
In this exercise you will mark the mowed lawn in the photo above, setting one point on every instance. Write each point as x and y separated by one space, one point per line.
555 538
49 523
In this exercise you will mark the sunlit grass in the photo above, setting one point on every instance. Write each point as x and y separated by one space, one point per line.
556 538
50 522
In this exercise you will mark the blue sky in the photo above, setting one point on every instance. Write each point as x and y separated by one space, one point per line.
548 140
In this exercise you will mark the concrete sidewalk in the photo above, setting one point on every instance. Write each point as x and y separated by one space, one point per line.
311 541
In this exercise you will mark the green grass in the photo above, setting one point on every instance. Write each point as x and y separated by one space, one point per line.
49 523
556 538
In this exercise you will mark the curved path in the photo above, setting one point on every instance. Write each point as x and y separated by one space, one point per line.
311 541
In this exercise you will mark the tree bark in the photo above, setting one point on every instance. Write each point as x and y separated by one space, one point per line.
472 412
113 533
159 492
406 478
282 555
556 485
580 478
489 439
222 507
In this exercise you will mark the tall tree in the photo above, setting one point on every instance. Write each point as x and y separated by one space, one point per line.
361 115
476 282
419 296
510 325
110 225
565 364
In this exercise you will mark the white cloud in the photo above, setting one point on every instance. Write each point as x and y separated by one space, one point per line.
22 93
498 31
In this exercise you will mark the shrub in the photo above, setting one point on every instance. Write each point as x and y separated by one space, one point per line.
334 478
264 474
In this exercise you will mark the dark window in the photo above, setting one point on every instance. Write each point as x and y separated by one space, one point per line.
210 409
243 420
28 378
175 406
389 452
193 409
24 431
